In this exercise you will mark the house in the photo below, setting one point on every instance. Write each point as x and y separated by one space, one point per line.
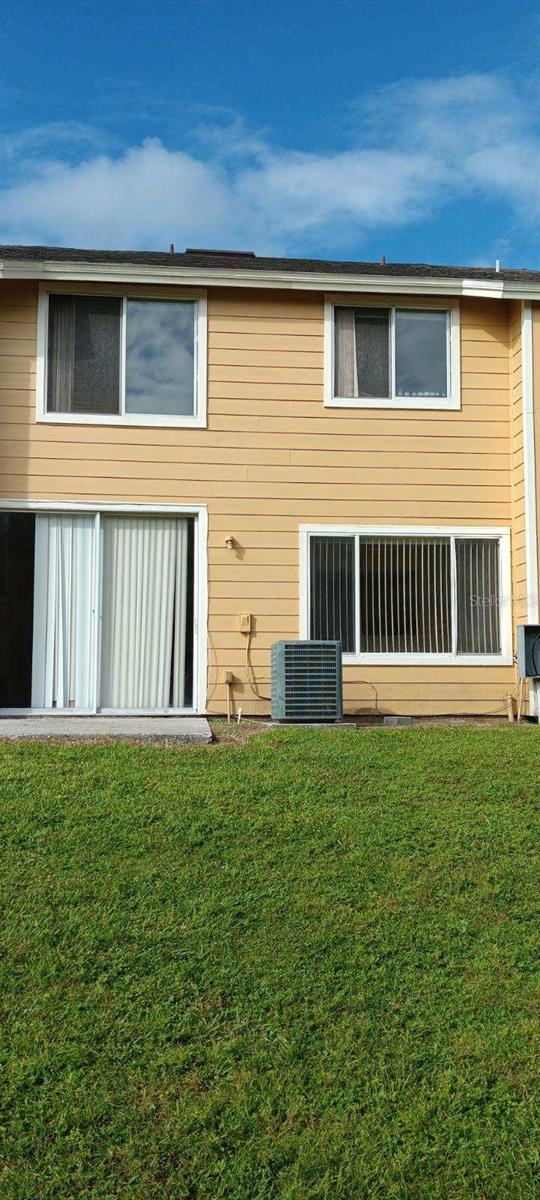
206 452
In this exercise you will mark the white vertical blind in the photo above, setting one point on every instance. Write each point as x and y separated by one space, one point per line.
63 646
332 590
477 576
144 598
405 595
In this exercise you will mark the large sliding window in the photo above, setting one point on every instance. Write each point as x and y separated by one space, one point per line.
98 612
403 596
116 359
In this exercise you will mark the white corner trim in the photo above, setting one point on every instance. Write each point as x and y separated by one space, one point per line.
529 457
452 401
501 533
197 420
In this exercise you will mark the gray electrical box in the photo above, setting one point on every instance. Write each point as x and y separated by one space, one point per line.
529 651
307 681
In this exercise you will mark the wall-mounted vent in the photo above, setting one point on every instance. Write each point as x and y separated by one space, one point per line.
222 253
307 681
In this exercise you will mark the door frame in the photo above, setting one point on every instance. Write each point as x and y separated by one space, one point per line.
99 508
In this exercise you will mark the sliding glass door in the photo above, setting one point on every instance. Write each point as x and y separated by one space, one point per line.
98 612
144 606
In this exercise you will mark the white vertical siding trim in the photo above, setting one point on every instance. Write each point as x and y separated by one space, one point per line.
529 455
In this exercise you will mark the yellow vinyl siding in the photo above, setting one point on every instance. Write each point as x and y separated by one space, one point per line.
273 458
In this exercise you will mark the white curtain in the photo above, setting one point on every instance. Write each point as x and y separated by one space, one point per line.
346 368
144 612
62 352
63 645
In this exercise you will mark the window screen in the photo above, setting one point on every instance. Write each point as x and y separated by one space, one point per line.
332 590
362 352
84 355
371 326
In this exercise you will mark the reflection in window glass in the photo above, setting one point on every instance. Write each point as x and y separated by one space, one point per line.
421 353
160 349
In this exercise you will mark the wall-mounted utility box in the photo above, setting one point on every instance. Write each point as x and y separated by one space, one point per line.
306 681
529 651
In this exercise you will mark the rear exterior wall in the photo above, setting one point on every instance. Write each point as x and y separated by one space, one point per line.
273 458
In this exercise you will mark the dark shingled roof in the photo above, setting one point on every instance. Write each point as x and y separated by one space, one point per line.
207 260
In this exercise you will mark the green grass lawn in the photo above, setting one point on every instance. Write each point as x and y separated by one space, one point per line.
300 968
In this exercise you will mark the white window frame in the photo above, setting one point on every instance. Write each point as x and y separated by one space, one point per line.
452 400
200 593
502 535
197 419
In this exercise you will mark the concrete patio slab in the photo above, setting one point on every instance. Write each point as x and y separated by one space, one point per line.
152 729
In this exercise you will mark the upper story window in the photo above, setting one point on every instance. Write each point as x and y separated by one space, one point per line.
116 359
392 357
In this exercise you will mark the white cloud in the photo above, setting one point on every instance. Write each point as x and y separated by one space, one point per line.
53 134
142 197
413 148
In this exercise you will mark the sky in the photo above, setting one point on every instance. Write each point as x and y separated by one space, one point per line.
319 128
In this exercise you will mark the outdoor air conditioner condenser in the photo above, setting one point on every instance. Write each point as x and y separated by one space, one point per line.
307 681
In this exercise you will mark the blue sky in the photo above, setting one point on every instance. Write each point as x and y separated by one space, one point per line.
330 129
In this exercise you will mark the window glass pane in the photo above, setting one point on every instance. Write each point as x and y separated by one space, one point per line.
332 590
361 352
83 374
478 600
421 353
405 596
160 347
